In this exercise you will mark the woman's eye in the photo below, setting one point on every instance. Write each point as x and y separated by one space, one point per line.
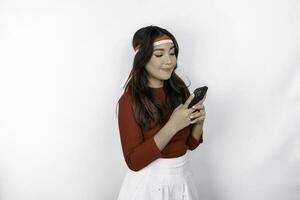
162 55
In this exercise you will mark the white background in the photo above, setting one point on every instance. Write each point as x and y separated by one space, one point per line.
62 65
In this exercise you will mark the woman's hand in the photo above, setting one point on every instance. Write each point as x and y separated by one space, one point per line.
199 115
180 118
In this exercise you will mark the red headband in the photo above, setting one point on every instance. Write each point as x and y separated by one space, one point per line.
160 40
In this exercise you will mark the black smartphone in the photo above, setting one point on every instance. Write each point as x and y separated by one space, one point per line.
199 94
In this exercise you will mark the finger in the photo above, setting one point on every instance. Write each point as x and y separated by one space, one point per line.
188 101
194 121
198 107
196 115
197 120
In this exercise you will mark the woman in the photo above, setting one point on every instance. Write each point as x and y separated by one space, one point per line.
156 127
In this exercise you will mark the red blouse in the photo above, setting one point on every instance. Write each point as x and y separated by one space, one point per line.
138 145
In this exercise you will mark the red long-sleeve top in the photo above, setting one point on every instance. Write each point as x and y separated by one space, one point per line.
138 145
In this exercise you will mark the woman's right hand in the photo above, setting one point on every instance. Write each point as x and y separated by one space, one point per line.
180 118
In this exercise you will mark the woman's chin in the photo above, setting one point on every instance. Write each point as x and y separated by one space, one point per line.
166 76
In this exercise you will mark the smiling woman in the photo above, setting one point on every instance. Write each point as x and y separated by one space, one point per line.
161 64
155 123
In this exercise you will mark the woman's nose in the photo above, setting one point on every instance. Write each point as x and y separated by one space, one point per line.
167 60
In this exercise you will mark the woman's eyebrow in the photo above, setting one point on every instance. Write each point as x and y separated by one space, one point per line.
160 49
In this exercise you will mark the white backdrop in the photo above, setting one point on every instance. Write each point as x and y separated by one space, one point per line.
62 65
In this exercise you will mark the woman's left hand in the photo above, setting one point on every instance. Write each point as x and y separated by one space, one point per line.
198 116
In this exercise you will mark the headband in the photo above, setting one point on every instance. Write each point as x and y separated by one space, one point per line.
160 40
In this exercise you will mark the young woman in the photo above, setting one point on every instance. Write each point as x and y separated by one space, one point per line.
156 127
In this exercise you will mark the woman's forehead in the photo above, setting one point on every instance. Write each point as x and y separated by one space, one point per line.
163 47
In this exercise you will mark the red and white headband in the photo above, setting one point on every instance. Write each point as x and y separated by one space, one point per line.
160 40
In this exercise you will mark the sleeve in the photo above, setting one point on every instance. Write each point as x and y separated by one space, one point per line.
137 152
192 142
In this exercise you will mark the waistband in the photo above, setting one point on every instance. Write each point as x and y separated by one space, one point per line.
171 162
170 166
165 167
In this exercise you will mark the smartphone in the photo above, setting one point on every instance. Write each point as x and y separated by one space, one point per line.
199 94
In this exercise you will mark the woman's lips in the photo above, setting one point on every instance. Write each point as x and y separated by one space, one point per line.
167 70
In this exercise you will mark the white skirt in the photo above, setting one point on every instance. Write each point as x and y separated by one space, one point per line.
163 179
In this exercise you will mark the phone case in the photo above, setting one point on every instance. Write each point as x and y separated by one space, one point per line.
199 94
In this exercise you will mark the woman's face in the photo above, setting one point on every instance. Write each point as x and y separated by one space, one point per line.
161 64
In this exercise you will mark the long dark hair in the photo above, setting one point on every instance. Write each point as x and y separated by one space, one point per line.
149 111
